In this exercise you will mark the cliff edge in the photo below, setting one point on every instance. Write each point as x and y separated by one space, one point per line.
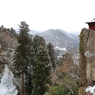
87 57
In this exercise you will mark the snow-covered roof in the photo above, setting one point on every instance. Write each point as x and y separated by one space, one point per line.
59 48
90 21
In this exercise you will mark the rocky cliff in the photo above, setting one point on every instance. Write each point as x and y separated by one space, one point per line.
87 57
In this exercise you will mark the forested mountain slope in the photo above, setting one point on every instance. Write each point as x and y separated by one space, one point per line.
57 38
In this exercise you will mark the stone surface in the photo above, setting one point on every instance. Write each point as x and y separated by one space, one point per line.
88 50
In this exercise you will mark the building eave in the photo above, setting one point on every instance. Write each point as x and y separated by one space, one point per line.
90 21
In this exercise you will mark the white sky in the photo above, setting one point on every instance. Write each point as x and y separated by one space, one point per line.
69 15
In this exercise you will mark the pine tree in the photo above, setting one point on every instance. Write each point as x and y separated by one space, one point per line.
41 66
52 55
22 56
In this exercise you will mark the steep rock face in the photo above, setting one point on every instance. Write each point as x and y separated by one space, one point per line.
87 57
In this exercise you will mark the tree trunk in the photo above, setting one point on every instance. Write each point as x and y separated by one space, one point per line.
22 82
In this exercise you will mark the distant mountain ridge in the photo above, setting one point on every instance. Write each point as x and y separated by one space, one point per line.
71 35
58 37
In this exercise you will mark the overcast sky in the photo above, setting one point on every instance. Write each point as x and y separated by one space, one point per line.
69 15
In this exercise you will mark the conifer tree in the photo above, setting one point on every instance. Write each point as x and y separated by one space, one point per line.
41 66
52 55
22 56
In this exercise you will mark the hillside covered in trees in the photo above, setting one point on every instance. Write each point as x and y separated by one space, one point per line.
29 65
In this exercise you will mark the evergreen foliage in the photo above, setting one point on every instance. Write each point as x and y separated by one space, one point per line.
41 66
22 54
10 31
67 86
52 54
58 90
22 57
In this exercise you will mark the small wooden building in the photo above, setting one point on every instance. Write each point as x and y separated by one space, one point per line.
91 24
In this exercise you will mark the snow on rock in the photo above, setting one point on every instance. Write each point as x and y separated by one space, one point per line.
88 54
7 86
90 90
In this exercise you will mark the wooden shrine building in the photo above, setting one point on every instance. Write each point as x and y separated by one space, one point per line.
91 24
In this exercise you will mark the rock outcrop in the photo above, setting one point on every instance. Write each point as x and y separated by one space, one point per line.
87 57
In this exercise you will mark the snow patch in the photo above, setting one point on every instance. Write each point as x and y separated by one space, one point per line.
90 90
88 54
7 86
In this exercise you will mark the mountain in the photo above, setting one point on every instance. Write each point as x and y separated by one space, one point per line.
34 32
57 38
71 35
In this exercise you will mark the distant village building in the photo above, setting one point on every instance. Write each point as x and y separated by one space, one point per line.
91 24
60 51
